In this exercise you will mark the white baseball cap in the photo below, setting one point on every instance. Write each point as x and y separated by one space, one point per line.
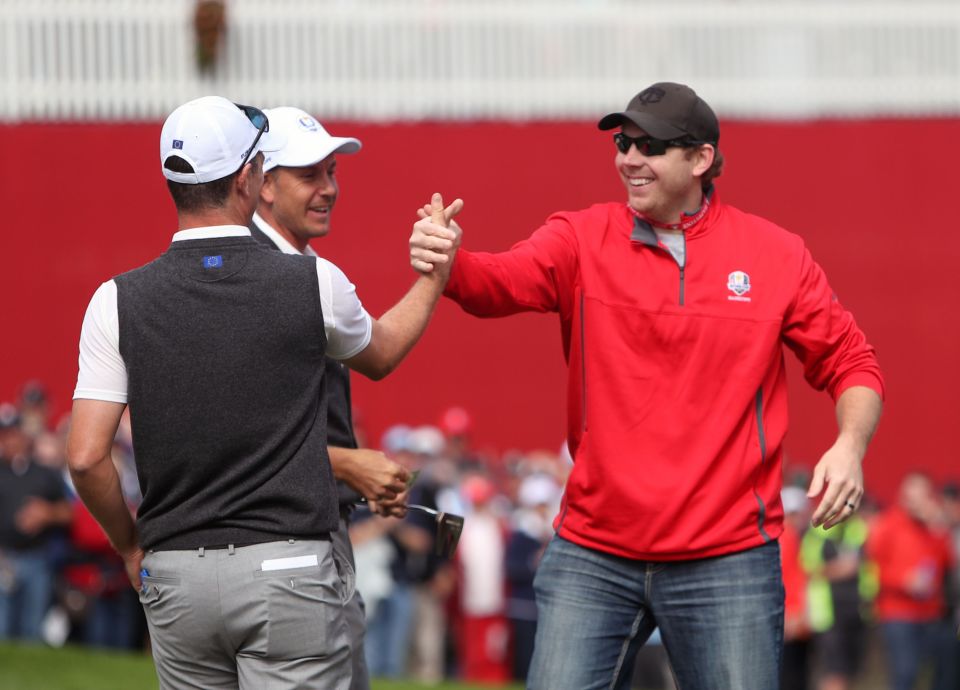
306 142
213 135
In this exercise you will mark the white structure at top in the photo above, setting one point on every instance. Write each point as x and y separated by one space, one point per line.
482 59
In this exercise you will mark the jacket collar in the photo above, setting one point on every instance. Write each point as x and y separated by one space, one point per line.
644 233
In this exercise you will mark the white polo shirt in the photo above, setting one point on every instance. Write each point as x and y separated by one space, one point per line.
103 374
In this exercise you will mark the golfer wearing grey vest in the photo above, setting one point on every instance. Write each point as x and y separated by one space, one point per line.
217 348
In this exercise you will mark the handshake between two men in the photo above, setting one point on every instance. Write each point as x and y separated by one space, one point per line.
383 482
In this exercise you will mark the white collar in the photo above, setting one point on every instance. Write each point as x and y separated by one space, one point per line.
210 232
282 244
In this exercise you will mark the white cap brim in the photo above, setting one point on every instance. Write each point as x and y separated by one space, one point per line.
307 142
310 155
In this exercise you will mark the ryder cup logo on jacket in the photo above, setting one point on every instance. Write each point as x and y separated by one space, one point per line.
738 283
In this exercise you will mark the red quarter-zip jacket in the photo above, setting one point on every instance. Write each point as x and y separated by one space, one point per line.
676 389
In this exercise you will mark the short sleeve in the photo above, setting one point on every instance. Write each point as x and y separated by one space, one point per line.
347 324
103 374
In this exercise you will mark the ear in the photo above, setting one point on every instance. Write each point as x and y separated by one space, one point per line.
705 155
244 181
268 192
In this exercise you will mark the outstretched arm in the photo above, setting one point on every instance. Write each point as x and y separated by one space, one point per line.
840 468
398 330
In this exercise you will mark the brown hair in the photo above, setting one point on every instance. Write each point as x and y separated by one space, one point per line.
715 169
196 197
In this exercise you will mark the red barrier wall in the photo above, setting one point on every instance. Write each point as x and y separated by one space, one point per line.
86 201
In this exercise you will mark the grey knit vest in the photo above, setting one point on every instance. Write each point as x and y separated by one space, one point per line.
224 345
339 409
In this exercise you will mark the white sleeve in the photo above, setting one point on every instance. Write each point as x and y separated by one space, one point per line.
345 321
103 375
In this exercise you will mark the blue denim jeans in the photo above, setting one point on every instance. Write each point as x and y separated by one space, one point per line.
25 594
721 619
387 642
910 645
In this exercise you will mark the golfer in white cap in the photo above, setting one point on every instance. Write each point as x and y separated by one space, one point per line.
218 348
297 200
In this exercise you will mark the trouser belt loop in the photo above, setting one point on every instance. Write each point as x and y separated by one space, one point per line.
201 552
230 549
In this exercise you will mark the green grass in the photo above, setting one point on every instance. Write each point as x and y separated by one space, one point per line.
73 668
24 667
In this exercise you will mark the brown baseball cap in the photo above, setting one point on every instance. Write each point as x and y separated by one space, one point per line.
666 110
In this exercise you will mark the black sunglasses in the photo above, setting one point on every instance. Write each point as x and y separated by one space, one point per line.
259 120
650 146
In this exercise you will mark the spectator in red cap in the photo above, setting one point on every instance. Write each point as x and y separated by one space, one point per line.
457 426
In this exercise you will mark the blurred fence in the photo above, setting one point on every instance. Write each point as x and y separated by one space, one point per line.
413 59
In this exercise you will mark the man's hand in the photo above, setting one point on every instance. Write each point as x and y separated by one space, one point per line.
435 237
132 561
840 471
372 474
396 507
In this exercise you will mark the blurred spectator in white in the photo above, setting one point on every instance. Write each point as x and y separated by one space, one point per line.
32 505
382 547
538 498
795 669
911 547
483 637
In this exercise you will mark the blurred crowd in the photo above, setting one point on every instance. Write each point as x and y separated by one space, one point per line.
887 573
60 579
429 616
890 572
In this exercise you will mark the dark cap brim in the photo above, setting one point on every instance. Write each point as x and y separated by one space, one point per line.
653 126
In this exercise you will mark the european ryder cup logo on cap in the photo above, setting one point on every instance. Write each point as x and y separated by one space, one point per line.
308 123
738 283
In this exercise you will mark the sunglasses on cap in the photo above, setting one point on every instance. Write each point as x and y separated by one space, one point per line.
259 120
650 146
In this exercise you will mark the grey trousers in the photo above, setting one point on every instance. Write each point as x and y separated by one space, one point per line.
355 613
261 617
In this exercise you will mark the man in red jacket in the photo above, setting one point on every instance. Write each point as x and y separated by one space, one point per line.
674 309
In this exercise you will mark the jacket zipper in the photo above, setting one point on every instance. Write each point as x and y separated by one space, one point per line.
681 286
683 266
